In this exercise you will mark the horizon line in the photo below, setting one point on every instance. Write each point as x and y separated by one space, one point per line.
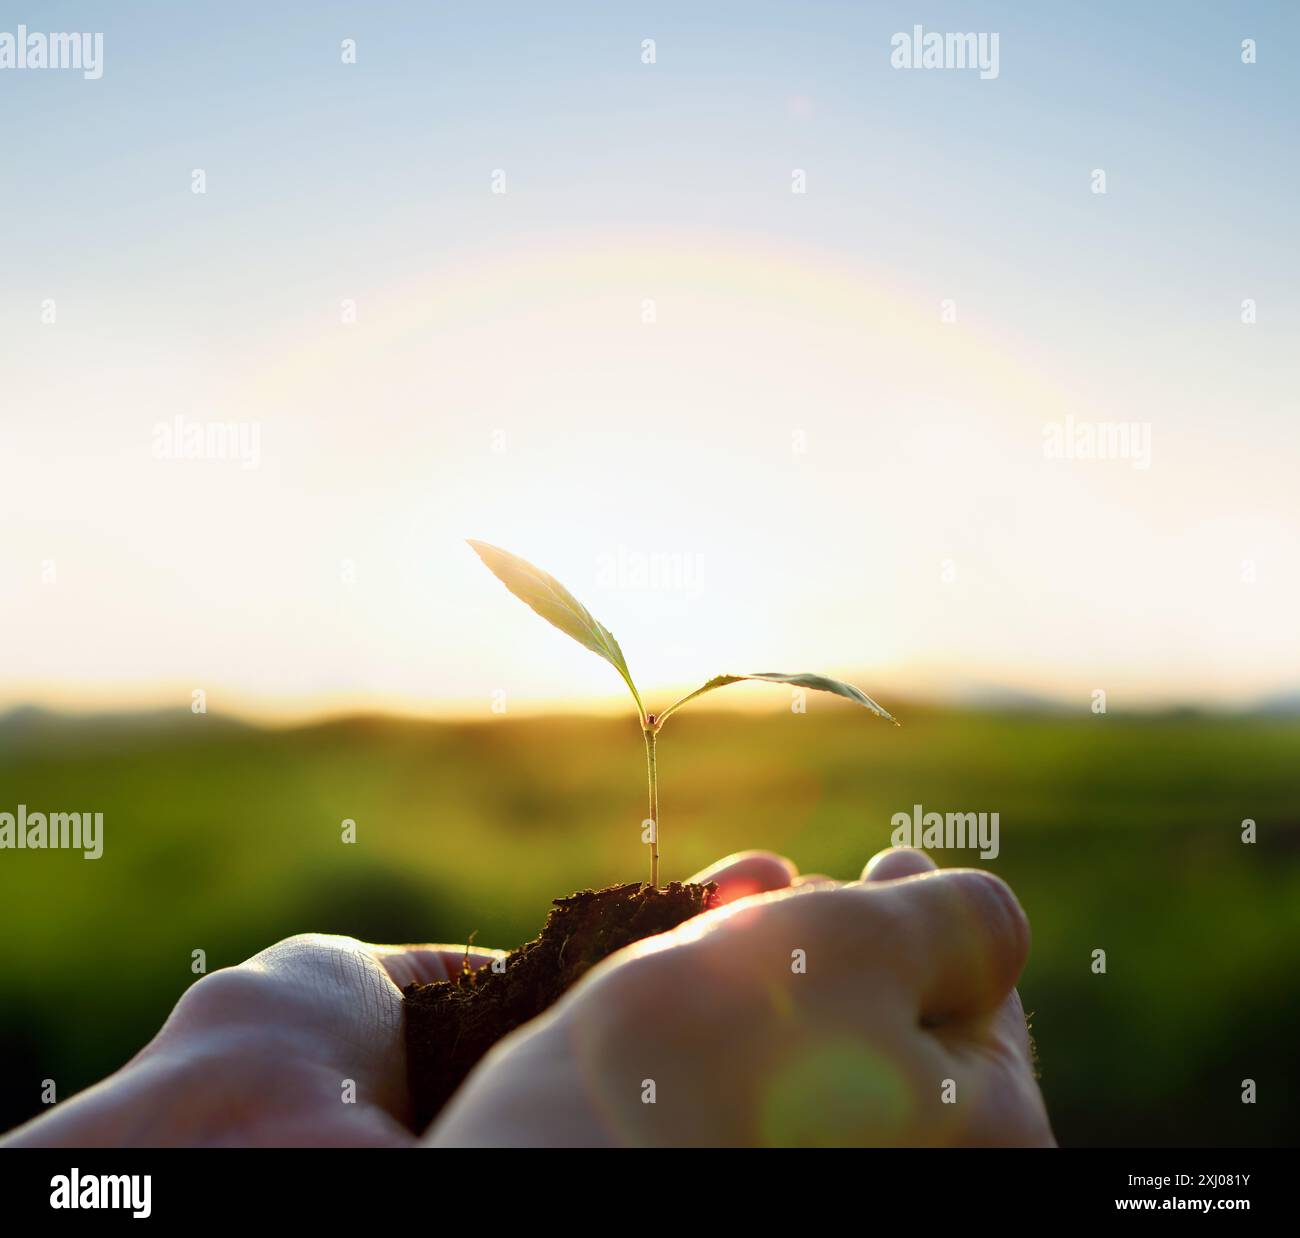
461 713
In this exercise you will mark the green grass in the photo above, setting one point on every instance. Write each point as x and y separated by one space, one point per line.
1117 833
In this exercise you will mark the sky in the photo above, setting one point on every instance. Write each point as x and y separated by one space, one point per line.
504 278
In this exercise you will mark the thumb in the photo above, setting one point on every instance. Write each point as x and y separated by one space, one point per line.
428 964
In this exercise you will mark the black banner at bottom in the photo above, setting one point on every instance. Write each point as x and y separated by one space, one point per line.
375 1187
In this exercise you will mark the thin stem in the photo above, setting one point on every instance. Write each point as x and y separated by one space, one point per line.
654 805
676 705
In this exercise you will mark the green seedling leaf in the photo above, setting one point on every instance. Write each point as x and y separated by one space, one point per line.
820 683
557 606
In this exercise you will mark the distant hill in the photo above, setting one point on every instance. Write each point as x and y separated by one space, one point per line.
25 725
1285 704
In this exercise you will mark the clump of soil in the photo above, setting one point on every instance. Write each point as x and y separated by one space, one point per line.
452 1024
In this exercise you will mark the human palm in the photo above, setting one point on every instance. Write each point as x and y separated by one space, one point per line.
301 1045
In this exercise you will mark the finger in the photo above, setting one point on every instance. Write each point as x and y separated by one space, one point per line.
895 862
815 880
961 936
428 964
1011 1027
746 873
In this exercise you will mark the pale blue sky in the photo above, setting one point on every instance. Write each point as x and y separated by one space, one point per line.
371 182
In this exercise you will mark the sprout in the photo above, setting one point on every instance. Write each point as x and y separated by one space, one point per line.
559 607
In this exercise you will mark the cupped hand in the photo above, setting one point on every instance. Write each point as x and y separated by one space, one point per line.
875 1012
301 1045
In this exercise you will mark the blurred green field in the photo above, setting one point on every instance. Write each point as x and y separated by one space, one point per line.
1119 833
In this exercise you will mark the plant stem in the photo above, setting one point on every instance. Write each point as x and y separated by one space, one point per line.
654 806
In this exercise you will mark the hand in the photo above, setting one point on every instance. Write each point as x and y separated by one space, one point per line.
880 1012
261 1054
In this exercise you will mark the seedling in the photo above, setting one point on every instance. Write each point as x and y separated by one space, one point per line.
558 606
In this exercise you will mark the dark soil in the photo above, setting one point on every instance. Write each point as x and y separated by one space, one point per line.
450 1025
